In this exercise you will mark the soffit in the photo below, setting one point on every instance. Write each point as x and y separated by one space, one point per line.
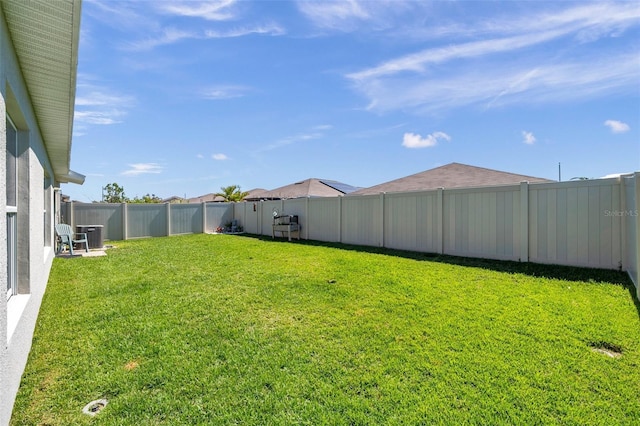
45 37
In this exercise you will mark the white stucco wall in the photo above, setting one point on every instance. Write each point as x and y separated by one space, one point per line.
18 315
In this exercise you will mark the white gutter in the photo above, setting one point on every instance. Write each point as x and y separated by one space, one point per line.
71 177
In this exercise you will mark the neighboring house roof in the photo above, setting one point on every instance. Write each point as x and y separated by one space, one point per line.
174 199
454 175
254 194
206 198
201 198
45 37
307 188
611 175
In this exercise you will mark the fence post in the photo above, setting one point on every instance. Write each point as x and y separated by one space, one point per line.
204 217
440 221
524 221
168 207
233 210
124 221
306 214
381 219
244 216
624 252
339 219
635 211
71 218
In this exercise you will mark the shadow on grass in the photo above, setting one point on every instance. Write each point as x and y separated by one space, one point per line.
569 273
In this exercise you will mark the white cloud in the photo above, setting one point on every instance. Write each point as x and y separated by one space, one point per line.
98 117
366 15
506 61
224 92
334 14
125 16
98 97
289 140
143 168
173 35
209 10
413 140
323 127
528 138
270 29
219 157
165 37
99 105
489 85
199 156
417 62
617 126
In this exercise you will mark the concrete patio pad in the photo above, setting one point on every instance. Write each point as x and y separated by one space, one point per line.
82 253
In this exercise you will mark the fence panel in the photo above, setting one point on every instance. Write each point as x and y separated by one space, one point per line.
186 219
362 220
266 216
401 220
323 221
146 220
411 221
218 214
482 222
65 213
297 207
250 216
107 215
572 223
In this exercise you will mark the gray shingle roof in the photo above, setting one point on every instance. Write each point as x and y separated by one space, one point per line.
454 175
254 194
308 188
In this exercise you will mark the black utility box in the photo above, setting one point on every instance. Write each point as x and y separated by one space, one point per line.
94 235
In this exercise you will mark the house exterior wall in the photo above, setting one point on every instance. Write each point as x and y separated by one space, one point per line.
18 313
5 410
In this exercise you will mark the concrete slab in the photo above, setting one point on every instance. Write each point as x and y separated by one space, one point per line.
82 253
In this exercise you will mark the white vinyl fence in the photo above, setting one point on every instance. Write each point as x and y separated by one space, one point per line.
592 223
126 221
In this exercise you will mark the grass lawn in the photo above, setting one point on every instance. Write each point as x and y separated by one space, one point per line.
219 329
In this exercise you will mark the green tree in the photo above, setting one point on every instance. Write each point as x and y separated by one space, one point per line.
146 199
114 193
231 193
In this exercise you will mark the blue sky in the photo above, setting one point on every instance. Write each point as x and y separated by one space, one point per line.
184 97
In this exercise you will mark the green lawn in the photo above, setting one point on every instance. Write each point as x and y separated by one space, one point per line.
219 329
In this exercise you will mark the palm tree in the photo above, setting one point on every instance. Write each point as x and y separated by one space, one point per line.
231 193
